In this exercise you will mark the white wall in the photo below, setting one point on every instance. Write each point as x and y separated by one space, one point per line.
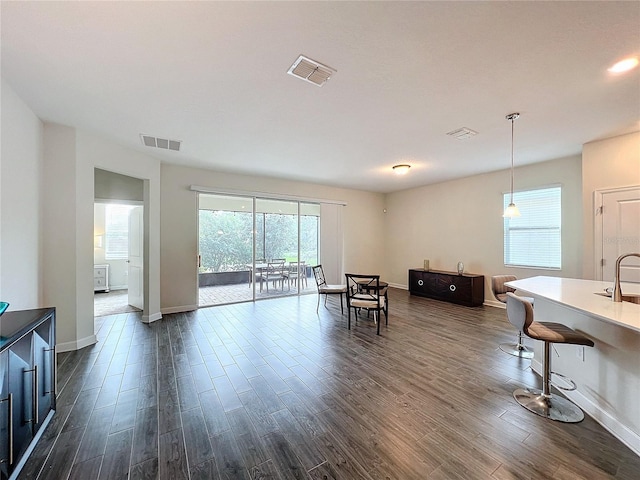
20 203
59 240
363 222
610 163
461 220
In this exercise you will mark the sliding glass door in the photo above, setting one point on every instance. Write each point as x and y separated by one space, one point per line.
252 248
225 259
309 244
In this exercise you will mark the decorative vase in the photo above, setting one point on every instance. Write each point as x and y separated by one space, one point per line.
426 265
460 268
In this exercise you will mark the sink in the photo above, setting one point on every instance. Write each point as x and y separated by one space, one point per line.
625 297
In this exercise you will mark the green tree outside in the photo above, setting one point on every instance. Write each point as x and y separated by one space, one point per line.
226 244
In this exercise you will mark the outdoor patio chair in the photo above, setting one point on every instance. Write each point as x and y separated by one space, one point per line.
297 272
273 273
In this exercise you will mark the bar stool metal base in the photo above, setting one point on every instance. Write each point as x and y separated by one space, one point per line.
549 406
516 350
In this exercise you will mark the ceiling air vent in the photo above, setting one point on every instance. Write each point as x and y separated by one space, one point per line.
164 143
310 71
462 133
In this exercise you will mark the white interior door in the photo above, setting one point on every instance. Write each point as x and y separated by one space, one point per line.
621 233
136 263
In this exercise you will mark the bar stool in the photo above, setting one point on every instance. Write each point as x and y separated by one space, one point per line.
500 290
543 402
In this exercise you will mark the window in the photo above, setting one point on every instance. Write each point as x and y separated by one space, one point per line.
534 238
116 231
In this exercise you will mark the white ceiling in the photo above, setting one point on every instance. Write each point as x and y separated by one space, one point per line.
213 74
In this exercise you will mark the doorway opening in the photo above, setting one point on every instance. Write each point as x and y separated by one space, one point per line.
116 258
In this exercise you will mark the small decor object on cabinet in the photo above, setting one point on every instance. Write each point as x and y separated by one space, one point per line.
426 265
460 268
3 308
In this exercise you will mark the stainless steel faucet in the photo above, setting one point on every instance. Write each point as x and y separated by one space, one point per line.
617 291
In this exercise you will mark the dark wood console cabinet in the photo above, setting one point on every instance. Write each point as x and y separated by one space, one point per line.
27 384
466 289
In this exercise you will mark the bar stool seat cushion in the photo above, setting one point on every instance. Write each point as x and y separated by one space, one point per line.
556 333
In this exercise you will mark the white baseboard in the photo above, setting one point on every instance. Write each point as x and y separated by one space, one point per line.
398 285
151 318
179 309
76 345
495 303
623 433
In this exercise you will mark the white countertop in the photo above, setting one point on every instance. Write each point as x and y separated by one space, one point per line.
580 295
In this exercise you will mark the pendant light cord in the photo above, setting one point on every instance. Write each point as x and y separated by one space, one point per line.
512 119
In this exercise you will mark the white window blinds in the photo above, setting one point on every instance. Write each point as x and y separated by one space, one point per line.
534 238
117 231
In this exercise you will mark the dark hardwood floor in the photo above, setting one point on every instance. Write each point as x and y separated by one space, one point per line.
273 391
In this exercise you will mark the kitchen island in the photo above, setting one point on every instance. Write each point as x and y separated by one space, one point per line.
607 375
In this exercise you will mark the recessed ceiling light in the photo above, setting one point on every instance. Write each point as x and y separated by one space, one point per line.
624 65
401 169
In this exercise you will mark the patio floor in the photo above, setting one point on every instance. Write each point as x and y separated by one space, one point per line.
243 292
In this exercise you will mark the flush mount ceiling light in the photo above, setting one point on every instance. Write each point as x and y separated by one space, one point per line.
311 71
163 143
401 169
511 210
624 65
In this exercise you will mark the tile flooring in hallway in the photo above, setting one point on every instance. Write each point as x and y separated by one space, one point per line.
271 390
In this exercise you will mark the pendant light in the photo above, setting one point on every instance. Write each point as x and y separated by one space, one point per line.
511 210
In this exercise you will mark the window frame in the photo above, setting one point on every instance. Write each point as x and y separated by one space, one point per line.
526 201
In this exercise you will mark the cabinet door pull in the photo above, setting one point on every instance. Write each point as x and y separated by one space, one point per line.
52 379
34 398
9 401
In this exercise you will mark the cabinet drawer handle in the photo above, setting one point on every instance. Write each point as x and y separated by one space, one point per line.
52 379
34 394
9 401
452 288
420 282
35 397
